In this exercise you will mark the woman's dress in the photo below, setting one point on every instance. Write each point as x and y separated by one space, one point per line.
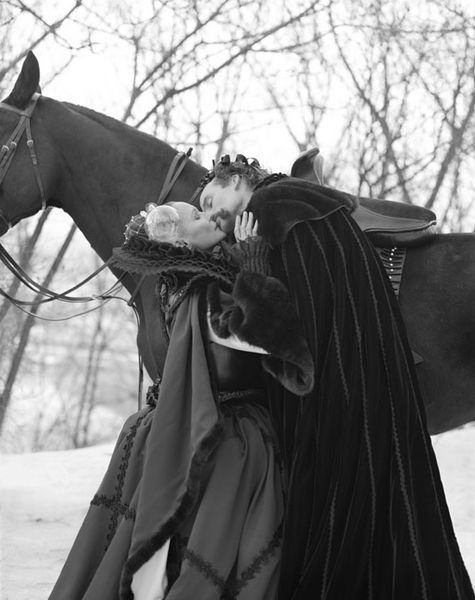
195 476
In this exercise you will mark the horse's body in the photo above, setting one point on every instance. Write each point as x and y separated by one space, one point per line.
101 172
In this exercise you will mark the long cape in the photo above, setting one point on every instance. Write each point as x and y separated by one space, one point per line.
366 514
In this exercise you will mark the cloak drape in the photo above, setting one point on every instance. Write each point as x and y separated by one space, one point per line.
366 515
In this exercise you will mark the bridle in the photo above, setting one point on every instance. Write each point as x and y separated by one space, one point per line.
7 151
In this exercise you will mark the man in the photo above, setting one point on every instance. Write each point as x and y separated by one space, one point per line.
366 515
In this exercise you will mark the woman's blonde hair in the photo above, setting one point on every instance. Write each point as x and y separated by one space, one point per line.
163 224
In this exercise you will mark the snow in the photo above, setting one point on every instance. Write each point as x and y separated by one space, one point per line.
44 497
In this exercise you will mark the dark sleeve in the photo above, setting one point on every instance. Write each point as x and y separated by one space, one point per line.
260 313
251 255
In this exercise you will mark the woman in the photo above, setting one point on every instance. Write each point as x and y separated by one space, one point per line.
192 503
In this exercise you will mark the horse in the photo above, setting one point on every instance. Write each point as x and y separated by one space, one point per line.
101 172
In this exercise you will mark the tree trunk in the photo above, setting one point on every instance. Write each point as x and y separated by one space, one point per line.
26 330
24 261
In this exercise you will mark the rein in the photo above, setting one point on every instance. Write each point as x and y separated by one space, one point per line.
174 171
7 153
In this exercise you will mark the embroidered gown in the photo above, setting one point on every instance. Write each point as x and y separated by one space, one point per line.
197 473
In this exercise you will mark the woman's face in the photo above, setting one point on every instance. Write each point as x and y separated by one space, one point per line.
196 229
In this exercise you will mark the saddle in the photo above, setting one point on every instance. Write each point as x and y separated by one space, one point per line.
387 223
391 226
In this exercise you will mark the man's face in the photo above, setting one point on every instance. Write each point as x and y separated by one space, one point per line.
223 203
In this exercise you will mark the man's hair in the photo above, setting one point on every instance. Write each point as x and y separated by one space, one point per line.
249 169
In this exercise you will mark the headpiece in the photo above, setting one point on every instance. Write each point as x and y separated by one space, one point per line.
235 166
156 222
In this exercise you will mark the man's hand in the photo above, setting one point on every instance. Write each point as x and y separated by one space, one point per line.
245 227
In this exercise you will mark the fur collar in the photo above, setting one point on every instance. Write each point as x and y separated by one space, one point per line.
283 203
140 255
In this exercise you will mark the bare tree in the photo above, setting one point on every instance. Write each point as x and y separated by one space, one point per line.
88 397
24 261
385 89
27 327
415 94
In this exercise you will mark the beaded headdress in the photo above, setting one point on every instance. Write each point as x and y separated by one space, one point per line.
156 222
231 167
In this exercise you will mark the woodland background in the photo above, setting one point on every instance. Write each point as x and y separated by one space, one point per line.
386 89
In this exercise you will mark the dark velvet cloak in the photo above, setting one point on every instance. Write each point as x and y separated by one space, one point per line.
366 515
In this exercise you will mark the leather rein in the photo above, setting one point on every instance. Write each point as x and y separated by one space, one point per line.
7 152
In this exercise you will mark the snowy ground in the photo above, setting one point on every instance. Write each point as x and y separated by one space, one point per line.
44 497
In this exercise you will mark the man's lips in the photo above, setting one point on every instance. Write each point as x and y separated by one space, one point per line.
220 214
221 218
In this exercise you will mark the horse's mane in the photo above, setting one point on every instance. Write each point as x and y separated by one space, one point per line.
112 124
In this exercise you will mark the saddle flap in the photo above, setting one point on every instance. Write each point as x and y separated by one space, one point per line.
387 223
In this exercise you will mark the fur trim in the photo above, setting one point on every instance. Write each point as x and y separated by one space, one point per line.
283 204
262 315
140 255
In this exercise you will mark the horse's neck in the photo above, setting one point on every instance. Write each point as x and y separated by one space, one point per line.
109 172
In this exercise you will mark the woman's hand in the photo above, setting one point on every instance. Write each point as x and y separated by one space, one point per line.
245 227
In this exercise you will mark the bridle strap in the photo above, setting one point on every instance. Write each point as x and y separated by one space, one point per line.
34 161
7 151
25 112
174 171
196 194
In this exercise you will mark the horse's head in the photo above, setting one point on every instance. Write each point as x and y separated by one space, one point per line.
26 165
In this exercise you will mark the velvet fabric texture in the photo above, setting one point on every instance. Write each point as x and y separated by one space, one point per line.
366 516
205 474
248 303
259 312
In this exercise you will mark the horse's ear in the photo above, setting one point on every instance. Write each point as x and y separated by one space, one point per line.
26 84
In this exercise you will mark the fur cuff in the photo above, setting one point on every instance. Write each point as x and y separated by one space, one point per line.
261 314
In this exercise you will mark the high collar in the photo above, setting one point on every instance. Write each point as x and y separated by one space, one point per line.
280 203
